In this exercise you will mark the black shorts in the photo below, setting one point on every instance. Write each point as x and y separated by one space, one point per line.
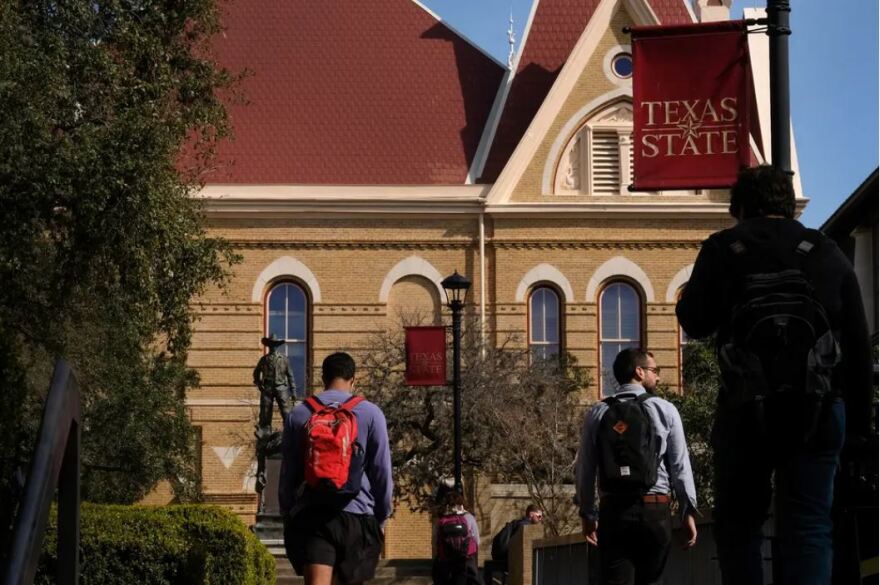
350 543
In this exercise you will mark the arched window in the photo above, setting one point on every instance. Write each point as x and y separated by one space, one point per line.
544 328
598 158
620 318
287 316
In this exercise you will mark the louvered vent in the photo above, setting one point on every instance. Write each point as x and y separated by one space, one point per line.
605 155
632 166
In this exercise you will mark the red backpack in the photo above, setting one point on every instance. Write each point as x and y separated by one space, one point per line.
334 460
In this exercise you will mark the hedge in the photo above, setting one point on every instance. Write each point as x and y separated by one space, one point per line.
179 545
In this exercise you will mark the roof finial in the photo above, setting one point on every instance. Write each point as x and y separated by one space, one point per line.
511 40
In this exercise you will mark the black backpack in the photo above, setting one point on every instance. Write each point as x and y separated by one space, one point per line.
780 345
501 542
628 447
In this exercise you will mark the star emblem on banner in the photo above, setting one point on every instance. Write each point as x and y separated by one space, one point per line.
689 128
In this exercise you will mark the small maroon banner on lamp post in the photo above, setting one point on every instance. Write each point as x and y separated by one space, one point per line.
692 98
425 356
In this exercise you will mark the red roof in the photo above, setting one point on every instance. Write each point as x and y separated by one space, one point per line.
556 27
344 92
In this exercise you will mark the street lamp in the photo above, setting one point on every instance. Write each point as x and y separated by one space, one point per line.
456 288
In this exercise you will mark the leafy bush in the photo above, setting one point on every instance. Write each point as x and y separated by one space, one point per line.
696 405
178 545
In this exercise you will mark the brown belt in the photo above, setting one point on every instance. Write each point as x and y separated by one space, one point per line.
656 499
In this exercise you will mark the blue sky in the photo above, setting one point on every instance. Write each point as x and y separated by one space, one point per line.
834 64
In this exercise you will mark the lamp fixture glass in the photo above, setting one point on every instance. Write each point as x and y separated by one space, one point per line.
456 287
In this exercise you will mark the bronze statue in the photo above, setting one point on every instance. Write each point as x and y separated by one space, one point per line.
273 378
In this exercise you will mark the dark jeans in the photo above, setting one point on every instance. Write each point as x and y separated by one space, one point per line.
634 540
279 394
804 481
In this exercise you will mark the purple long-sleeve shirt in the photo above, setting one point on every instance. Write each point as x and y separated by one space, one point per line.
376 485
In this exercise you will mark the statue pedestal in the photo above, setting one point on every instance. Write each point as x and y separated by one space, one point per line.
269 527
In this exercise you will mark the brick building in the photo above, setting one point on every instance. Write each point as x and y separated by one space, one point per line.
379 150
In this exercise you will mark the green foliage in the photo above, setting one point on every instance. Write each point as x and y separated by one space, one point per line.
102 248
178 545
696 405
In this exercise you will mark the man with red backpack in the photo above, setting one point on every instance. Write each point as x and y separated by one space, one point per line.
335 487
633 443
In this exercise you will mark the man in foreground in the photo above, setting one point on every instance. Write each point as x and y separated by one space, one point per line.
784 304
634 442
335 487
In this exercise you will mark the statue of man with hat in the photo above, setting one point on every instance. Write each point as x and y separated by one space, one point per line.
275 381
273 378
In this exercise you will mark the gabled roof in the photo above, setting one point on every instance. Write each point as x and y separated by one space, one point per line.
351 92
860 208
556 26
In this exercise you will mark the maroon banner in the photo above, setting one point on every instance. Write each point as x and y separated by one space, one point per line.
425 356
692 96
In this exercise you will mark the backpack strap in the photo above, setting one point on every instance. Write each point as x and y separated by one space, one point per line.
616 398
809 241
641 398
314 404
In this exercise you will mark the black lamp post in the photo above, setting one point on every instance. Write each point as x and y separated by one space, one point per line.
456 287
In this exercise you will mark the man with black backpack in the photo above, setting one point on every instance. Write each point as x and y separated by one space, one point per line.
784 304
335 486
501 541
633 443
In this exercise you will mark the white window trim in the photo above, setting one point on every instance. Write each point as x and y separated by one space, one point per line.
681 277
544 273
304 340
411 266
616 267
532 341
286 267
609 72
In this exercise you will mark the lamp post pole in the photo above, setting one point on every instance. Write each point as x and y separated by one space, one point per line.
778 14
456 307
456 287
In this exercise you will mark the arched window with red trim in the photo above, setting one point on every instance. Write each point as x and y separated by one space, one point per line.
545 333
287 316
620 327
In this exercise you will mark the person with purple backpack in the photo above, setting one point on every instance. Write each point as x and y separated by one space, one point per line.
455 542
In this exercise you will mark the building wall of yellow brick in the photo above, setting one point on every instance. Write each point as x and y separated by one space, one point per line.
350 272
408 534
350 255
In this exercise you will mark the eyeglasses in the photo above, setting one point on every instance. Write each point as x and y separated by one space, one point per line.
655 369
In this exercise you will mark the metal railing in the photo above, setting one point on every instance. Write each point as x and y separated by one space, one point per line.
55 463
